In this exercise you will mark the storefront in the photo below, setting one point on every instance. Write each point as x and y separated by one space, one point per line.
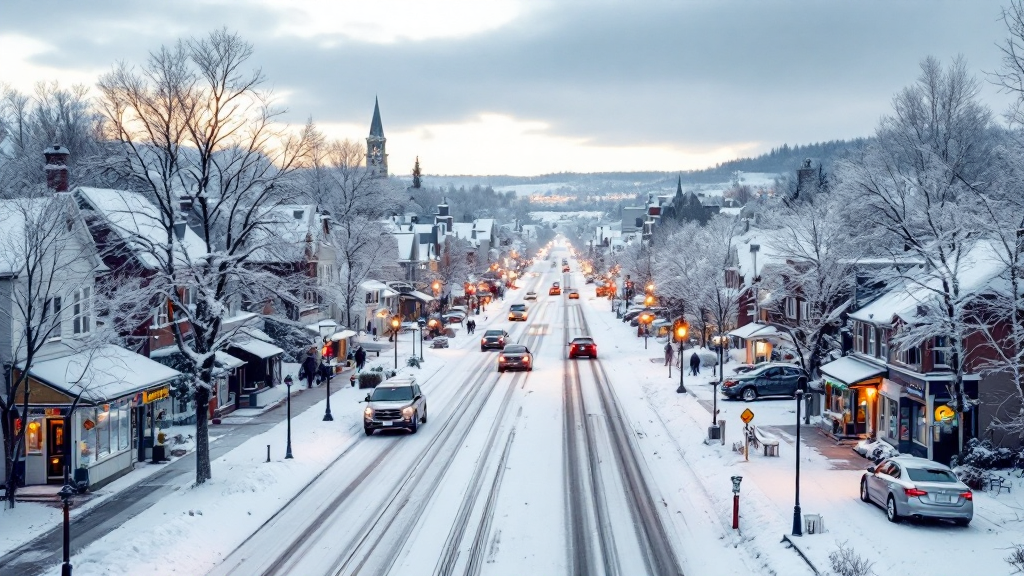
918 420
263 364
114 387
756 341
851 397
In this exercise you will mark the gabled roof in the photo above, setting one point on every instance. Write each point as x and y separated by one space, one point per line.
139 225
283 235
405 245
376 127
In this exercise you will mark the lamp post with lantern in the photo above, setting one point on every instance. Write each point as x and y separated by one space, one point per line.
288 448
396 323
327 353
645 320
682 330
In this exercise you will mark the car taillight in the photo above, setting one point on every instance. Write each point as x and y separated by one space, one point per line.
914 492
967 495
729 383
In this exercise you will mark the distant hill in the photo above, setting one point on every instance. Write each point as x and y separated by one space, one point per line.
782 160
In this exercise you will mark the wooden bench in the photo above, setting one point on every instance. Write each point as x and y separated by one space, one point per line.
997 483
767 441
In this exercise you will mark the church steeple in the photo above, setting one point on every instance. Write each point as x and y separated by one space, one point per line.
376 154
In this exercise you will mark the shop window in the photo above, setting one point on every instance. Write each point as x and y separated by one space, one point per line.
124 434
102 432
87 435
893 415
920 425
34 436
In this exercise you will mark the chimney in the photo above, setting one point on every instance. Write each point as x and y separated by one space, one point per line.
56 168
179 229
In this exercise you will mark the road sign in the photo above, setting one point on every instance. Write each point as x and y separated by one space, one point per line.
747 416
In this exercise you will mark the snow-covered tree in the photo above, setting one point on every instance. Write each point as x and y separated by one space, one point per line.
199 137
914 188
453 265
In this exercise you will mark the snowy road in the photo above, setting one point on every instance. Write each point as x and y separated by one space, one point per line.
531 472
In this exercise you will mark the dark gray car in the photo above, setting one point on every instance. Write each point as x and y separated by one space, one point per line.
494 339
772 379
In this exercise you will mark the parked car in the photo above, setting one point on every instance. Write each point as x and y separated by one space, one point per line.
565 262
565 268
603 290
515 357
771 379
908 486
494 338
555 290
574 294
454 317
517 312
531 295
582 346
589 279
439 342
395 403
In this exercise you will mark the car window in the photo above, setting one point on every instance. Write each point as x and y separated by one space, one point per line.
519 307
792 371
515 349
892 470
583 341
931 475
392 394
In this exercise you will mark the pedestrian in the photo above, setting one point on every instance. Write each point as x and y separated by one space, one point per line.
695 364
360 358
325 372
307 369
668 353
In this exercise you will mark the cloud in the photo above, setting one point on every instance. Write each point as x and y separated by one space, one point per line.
688 78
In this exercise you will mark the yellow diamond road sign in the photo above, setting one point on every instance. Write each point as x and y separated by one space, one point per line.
747 416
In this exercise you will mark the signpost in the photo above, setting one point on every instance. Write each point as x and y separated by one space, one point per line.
746 416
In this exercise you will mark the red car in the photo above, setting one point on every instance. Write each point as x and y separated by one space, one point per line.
555 291
582 346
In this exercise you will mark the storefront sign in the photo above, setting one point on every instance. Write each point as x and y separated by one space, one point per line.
88 424
150 396
944 414
47 411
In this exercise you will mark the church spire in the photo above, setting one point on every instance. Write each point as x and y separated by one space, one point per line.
376 153
376 127
679 186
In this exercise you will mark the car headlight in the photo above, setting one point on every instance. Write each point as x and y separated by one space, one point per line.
368 412
526 359
483 340
501 358
408 411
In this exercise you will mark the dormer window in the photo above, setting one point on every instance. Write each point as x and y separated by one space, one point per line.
298 214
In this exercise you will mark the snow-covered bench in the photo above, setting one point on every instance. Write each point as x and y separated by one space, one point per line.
767 441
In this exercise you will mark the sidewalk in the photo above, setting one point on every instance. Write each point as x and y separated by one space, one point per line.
31 533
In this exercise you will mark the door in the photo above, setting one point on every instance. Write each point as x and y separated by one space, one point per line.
877 485
772 382
54 450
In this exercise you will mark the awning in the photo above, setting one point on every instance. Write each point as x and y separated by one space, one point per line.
341 335
257 343
849 370
419 296
376 285
754 330
227 361
100 374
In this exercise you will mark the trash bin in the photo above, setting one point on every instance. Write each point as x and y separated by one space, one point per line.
253 400
81 479
159 453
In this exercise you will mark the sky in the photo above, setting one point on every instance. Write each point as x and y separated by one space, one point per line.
526 87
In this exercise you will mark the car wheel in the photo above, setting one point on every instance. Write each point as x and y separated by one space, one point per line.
368 431
500 370
415 424
890 510
423 420
482 349
749 394
864 496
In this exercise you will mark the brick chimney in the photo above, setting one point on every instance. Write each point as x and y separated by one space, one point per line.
56 168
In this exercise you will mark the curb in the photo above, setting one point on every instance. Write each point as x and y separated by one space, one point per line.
792 544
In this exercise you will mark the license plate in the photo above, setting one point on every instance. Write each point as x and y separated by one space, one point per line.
943 498
386 423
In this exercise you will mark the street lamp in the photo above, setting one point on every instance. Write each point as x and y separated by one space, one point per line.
681 332
798 526
326 330
288 448
396 322
66 492
645 320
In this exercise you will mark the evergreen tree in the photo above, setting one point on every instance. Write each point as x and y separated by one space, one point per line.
416 182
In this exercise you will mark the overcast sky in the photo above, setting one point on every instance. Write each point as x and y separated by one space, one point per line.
528 86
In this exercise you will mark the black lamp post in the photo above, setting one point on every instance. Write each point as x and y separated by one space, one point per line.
396 322
681 332
66 492
327 330
798 525
288 384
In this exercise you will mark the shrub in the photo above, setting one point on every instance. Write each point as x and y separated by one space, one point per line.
413 362
1016 558
981 454
846 562
370 379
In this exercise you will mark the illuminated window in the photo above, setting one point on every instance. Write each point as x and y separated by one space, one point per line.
34 436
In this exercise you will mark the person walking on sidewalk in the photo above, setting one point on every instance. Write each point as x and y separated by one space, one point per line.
308 369
668 353
360 357
695 365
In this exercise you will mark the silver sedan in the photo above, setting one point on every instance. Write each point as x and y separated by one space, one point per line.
916 487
